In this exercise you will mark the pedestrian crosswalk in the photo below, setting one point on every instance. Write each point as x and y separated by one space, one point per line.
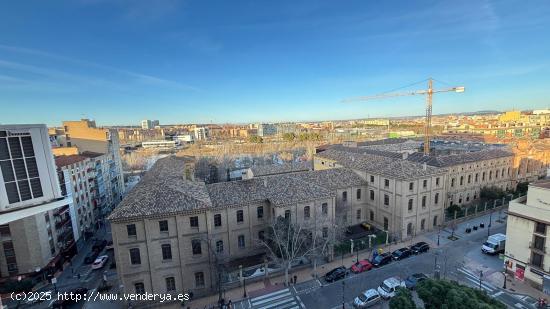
477 281
282 299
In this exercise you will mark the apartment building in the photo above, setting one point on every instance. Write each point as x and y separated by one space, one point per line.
101 145
402 197
80 174
201 133
35 229
469 172
267 129
170 233
527 255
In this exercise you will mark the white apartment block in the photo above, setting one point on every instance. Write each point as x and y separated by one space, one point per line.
35 228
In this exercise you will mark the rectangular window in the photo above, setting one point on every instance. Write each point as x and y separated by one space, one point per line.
371 178
425 184
537 260
240 216
539 242
241 241
199 279
135 257
260 212
196 245
325 232
163 226
344 196
386 200
287 214
540 228
358 194
437 181
131 229
324 209
372 195
166 252
194 221
358 214
411 185
261 235
170 284
217 220
139 287
386 183
306 212
424 201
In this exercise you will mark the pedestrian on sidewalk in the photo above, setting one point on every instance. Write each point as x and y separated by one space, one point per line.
295 279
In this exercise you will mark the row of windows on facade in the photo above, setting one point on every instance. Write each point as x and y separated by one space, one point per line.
411 184
476 177
170 283
194 221
423 203
538 245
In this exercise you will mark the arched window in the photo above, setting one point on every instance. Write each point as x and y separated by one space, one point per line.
371 215
409 229
436 199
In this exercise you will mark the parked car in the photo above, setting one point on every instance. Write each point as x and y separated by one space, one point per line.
99 245
388 288
65 302
90 258
413 280
401 253
100 262
336 274
381 259
260 271
366 299
361 266
420 247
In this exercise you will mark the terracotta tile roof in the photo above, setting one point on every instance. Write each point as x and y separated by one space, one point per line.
274 169
163 191
376 164
456 159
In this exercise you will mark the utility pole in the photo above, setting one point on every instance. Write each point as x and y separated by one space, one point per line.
489 226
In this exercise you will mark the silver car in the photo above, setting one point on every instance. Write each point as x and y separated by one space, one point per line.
367 299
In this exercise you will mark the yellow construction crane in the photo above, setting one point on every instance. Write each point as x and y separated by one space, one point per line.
428 92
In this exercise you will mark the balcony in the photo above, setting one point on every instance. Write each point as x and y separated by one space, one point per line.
62 222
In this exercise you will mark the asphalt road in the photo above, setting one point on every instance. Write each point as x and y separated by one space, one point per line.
450 258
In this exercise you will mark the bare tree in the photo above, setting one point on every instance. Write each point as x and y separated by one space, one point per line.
288 243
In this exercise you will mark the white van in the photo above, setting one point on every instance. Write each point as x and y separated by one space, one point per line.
494 244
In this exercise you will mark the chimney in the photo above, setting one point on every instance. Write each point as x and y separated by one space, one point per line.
424 166
405 155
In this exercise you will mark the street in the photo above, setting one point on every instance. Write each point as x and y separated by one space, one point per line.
460 260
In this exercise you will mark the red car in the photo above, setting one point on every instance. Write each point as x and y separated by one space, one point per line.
361 266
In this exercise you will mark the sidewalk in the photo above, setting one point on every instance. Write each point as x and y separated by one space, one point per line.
303 275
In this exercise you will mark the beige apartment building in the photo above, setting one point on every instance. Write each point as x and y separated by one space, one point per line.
527 256
469 172
171 234
402 197
81 174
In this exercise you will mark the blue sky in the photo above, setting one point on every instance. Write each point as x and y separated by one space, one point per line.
119 61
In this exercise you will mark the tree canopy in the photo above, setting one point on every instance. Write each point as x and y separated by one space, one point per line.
402 300
442 294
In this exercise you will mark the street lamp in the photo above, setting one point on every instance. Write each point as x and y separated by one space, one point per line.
489 226
504 284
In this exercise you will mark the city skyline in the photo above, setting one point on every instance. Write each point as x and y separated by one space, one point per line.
244 62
